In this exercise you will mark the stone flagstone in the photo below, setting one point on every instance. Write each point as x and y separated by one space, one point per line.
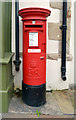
64 102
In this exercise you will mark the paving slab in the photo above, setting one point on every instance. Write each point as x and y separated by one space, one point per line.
72 94
50 108
64 101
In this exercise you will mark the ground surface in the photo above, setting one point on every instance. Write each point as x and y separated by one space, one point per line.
58 103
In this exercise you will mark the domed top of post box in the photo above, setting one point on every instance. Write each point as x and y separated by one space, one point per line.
34 12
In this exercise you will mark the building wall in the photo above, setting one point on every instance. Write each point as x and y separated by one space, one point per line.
54 37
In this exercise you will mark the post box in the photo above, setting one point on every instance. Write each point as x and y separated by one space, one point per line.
34 55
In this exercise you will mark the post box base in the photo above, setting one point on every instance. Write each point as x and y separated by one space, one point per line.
34 95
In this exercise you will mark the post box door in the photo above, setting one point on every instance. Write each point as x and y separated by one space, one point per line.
34 56
34 70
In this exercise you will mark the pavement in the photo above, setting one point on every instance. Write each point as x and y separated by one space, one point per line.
59 103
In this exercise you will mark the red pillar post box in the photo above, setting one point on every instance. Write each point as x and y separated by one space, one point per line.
34 55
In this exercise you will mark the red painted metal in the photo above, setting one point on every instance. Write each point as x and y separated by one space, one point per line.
34 57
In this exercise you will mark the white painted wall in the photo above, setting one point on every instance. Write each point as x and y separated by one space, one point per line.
72 44
53 72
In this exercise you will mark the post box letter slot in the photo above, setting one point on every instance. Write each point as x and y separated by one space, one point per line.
33 26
